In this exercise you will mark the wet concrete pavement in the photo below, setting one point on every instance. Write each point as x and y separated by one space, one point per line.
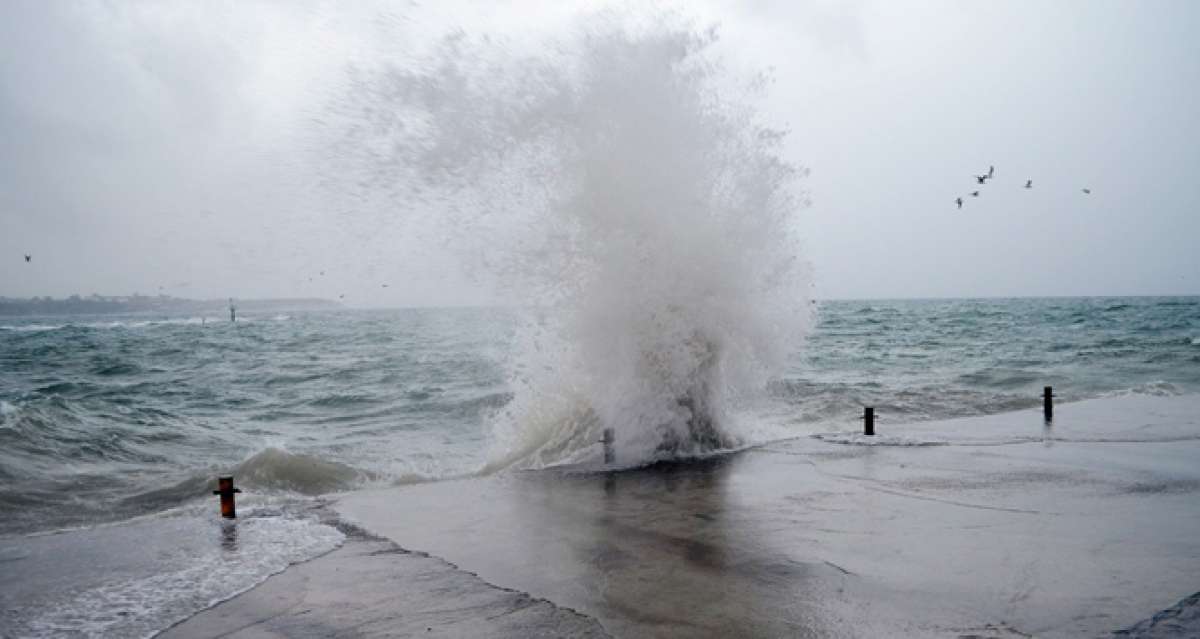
372 588
1013 536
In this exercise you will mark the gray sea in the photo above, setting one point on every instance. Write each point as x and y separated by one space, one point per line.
112 429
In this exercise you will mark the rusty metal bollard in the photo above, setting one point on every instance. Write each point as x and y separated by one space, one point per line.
226 490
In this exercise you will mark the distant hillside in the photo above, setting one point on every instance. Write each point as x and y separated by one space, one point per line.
102 305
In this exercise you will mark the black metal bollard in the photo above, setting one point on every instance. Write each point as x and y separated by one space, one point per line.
608 441
869 421
1048 403
226 490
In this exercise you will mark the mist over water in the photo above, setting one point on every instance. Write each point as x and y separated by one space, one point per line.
621 188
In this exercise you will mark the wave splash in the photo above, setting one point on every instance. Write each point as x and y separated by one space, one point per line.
623 187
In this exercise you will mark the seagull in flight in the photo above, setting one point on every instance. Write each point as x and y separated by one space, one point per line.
991 171
28 258
974 193
958 200
1029 184
1087 191
981 178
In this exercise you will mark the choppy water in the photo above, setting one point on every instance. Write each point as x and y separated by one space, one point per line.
112 430
107 419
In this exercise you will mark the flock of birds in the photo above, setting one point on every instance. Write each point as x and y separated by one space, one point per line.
991 172
343 295
980 179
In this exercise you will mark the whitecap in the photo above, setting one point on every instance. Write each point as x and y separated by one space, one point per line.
32 328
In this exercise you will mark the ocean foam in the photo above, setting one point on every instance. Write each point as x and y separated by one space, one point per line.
1156 388
185 572
7 409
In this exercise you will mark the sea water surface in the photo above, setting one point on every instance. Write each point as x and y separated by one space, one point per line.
112 429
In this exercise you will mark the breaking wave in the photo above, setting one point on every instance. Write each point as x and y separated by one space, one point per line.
626 190
271 470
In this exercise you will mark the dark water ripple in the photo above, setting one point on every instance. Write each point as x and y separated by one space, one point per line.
97 411
925 359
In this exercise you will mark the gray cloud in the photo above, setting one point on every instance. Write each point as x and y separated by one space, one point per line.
145 145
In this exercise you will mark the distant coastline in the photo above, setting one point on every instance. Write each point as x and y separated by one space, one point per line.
117 305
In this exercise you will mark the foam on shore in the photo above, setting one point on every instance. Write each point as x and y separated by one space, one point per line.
135 578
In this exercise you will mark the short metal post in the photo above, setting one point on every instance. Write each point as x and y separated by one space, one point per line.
226 490
1048 403
608 440
869 421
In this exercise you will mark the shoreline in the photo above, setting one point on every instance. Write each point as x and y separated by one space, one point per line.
992 526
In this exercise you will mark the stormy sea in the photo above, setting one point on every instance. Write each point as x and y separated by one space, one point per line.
630 212
113 429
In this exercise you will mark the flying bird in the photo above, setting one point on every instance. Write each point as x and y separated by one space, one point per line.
981 178
1087 191
974 193
28 258
1029 184
385 285
958 200
991 171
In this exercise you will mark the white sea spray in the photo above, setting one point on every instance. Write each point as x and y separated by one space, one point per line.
622 189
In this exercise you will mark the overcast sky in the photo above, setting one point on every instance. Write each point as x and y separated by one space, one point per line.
166 147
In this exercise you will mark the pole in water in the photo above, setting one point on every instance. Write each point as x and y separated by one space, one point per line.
226 490
869 421
1048 403
232 311
608 440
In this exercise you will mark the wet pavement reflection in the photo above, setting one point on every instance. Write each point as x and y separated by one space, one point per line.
940 530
